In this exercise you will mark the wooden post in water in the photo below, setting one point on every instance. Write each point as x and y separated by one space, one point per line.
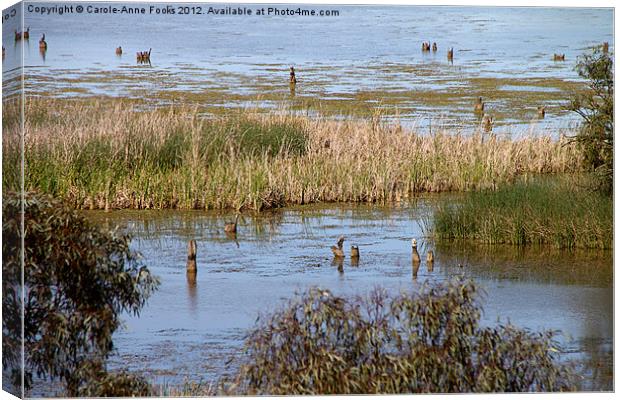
355 256
430 258
192 270
415 258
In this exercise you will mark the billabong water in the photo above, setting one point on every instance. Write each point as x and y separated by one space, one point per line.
349 60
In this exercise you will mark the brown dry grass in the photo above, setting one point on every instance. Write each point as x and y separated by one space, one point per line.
110 153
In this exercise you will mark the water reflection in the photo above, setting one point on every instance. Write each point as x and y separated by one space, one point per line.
339 263
232 236
192 292
597 367
429 266
415 267
538 264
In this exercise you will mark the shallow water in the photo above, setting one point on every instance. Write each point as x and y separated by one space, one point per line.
190 332
364 58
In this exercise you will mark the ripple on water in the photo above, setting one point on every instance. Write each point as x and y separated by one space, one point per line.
285 252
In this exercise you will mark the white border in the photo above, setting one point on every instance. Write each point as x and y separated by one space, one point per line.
508 3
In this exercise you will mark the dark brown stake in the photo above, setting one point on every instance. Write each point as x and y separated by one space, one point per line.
191 259
487 123
415 256
42 43
479 105
355 256
231 227
430 257
191 278
337 250
144 56
355 252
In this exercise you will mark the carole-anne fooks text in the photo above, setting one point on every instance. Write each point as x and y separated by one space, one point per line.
163 9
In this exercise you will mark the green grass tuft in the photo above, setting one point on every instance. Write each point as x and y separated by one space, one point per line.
557 212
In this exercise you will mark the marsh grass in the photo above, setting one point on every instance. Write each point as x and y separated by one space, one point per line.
561 213
109 154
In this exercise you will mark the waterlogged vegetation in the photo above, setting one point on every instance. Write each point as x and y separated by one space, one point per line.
561 213
411 92
172 158
564 213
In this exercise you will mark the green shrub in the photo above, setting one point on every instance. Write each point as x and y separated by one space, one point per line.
429 341
596 108
77 282
116 384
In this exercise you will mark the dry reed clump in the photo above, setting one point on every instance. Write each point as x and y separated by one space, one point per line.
102 154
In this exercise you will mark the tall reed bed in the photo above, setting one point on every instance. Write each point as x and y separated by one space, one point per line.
100 154
556 212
